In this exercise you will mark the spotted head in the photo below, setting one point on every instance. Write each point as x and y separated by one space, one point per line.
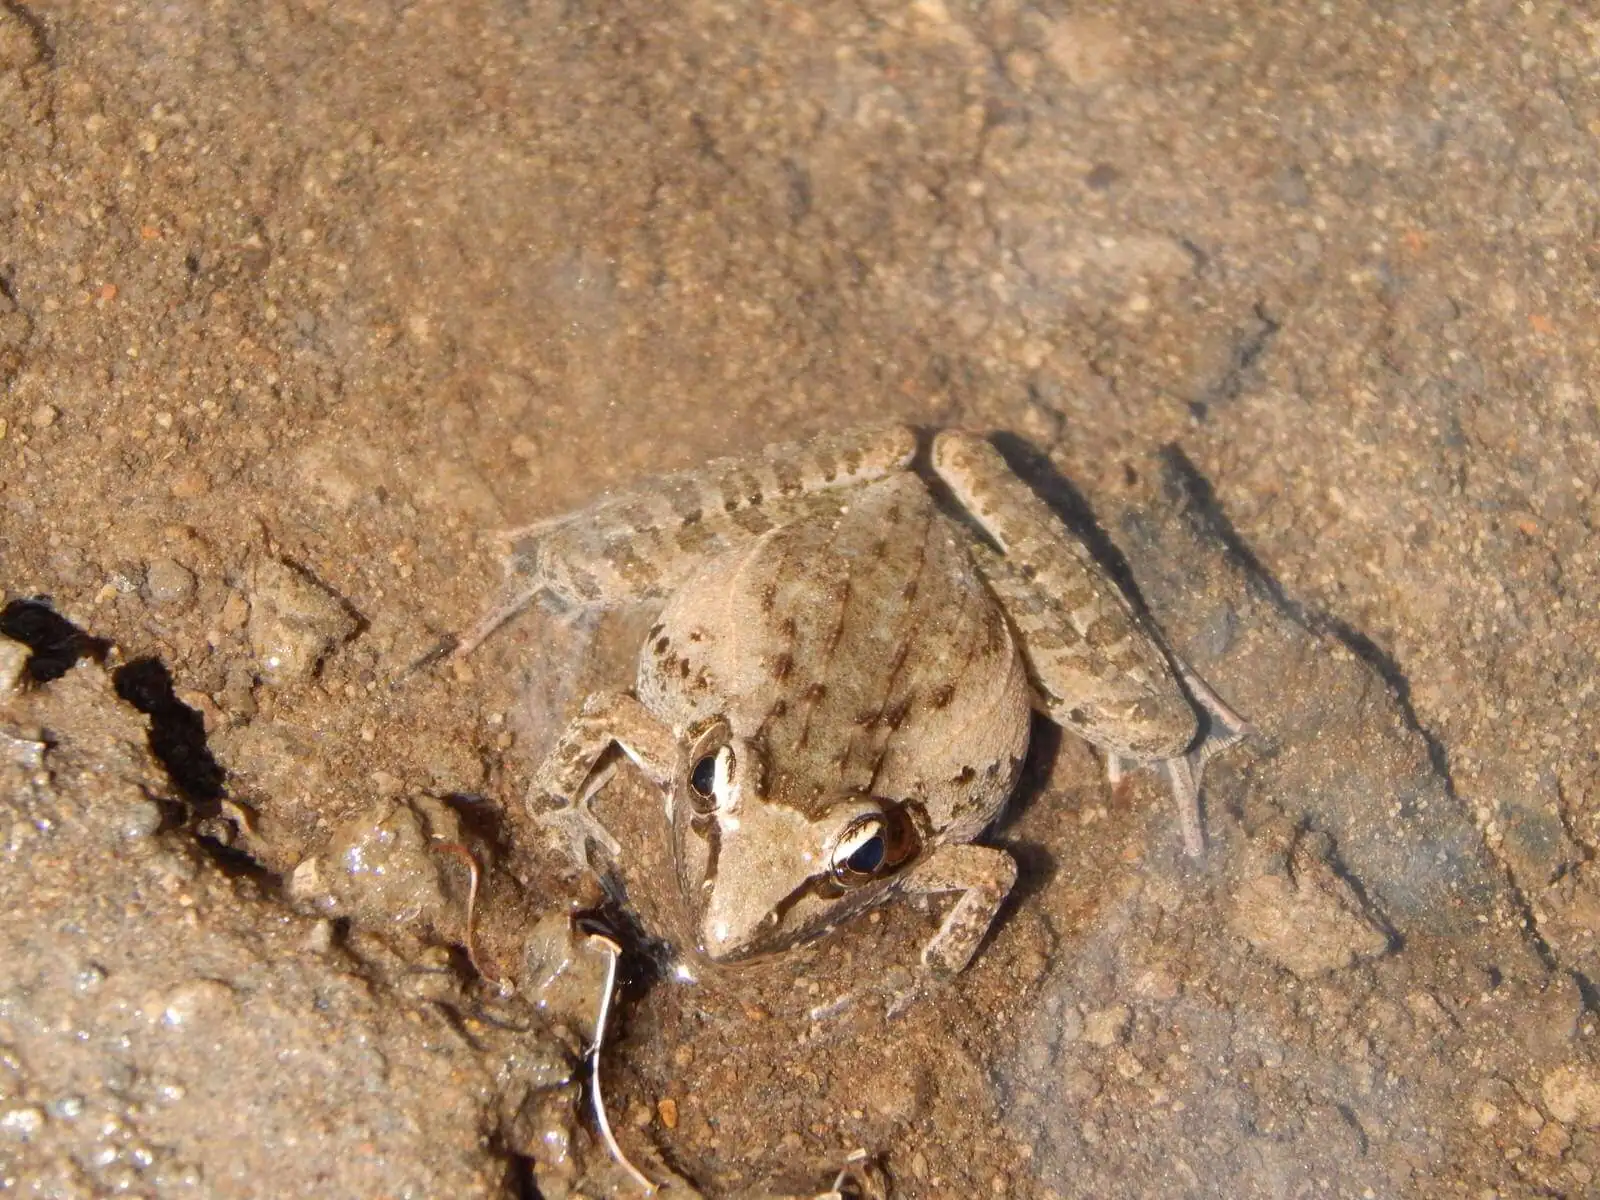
758 875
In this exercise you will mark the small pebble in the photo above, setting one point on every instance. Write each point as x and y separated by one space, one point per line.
88 979
237 697
140 819
168 584
45 416
1107 1026
294 622
320 940
197 998
1572 1095
1552 1141
13 664
189 483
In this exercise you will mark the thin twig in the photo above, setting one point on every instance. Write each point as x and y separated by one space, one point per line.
473 877
613 953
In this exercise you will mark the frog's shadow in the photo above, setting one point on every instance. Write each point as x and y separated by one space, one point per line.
1036 863
1035 469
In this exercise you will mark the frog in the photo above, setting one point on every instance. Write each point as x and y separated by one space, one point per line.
851 638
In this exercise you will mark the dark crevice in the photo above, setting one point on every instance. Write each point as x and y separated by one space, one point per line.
646 959
178 742
1354 1126
177 736
1036 866
1184 482
177 733
359 622
1369 908
238 863
483 826
520 1180
1040 474
1074 511
57 643
1587 991
1566 805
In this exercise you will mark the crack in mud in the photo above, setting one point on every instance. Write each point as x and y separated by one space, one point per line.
177 736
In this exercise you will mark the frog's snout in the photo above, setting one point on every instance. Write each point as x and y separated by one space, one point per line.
767 856
723 942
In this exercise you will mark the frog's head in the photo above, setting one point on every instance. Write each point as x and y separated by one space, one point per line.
759 876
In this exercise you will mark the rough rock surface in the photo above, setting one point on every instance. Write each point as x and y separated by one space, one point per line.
168 1029
1292 306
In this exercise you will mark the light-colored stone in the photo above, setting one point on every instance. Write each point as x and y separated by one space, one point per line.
294 622
1299 913
1572 1096
385 866
1107 1026
1089 51
13 664
168 584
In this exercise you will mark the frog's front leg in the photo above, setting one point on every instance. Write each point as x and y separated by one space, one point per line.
1095 668
983 876
643 544
566 780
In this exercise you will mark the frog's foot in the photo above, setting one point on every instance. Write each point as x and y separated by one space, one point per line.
572 826
897 989
528 580
575 768
1220 728
518 600
983 876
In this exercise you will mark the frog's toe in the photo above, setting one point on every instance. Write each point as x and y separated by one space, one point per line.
910 989
897 988
1183 777
1220 728
573 828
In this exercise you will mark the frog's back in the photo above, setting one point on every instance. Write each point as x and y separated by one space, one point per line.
862 651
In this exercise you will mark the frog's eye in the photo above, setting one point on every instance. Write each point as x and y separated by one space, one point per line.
704 776
861 852
703 779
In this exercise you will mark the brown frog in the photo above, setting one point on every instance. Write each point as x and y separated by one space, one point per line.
835 698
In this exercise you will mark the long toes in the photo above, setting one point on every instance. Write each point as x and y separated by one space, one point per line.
574 828
1183 776
1224 727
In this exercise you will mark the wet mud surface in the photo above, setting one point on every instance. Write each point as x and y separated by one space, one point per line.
1291 309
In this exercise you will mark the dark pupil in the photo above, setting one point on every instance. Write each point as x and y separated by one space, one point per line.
868 856
704 775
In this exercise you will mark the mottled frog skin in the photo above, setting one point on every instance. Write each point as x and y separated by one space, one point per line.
835 698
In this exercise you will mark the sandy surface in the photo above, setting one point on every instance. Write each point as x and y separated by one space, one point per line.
300 301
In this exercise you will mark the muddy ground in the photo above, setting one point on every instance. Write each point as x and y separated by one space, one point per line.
1293 307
